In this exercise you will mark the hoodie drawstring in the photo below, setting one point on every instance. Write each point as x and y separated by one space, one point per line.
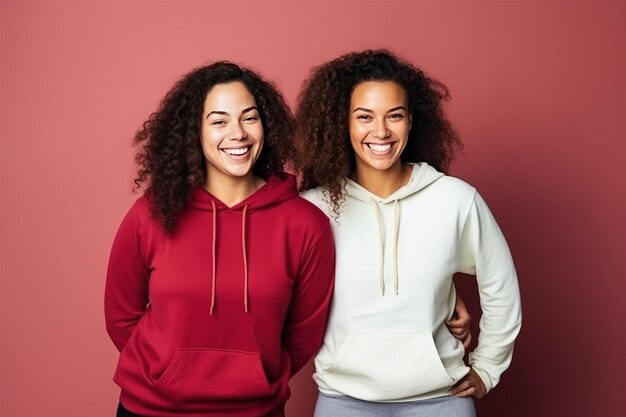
396 231
214 259
245 259
381 245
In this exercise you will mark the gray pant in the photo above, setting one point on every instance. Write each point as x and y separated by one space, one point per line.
328 406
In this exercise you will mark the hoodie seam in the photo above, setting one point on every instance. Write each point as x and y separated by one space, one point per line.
460 240
140 227
312 246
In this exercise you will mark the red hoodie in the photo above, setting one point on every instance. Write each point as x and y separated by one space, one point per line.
214 319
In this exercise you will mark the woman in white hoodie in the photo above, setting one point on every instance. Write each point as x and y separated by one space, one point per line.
372 145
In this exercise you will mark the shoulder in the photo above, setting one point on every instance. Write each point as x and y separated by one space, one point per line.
452 192
301 221
139 216
141 209
300 224
456 186
142 205
466 198
446 197
308 213
317 197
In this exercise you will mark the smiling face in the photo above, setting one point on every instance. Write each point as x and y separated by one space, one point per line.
379 124
232 132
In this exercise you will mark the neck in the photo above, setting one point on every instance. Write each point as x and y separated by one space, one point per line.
232 190
382 183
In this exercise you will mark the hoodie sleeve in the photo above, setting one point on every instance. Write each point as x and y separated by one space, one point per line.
310 302
126 289
485 253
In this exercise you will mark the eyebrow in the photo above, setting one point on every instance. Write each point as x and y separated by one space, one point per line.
371 111
223 113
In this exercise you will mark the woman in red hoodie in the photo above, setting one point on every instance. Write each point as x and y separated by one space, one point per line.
220 276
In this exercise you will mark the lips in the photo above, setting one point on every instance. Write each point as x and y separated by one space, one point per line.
236 151
380 149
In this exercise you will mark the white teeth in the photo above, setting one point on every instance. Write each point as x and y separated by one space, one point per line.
379 148
237 151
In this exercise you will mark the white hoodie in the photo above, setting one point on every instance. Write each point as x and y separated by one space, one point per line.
387 339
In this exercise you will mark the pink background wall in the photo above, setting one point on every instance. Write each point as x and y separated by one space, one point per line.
538 96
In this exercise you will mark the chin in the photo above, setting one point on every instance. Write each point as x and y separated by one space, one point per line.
238 173
381 165
241 174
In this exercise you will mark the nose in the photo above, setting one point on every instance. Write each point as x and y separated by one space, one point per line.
237 132
380 130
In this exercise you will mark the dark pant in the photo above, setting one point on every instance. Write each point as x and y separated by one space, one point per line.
122 412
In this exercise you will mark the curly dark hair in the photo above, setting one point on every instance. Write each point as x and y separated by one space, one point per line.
323 153
171 162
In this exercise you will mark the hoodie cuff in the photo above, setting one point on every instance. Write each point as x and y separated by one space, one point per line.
484 376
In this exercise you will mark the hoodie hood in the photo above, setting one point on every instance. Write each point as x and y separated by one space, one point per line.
422 176
278 188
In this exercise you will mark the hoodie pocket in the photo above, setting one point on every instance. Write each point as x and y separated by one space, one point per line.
387 366
214 374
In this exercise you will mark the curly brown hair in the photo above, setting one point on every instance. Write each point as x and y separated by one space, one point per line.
323 153
171 162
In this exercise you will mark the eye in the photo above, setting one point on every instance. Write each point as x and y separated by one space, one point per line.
364 117
251 119
218 123
396 116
